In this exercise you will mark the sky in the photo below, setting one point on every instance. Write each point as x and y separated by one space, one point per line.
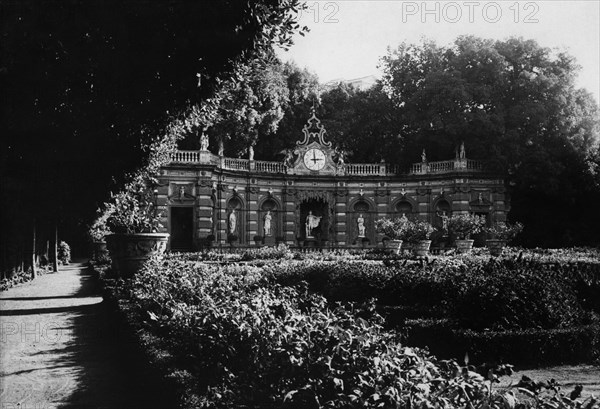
347 38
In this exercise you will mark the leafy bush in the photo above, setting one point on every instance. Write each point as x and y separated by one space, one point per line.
475 292
268 253
504 231
64 252
404 229
235 338
465 225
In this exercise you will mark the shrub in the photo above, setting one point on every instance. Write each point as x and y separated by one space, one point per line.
504 231
404 229
64 252
239 340
465 225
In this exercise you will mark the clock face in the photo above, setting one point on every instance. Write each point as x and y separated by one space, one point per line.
314 159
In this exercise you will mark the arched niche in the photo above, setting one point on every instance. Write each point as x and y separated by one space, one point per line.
403 207
269 219
443 210
362 219
235 221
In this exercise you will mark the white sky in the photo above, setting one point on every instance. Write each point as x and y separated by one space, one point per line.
348 37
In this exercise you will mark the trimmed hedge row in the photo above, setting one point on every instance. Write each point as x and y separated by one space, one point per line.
233 338
479 294
531 347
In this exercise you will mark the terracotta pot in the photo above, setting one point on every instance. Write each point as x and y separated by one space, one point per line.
129 251
395 245
421 248
495 246
464 246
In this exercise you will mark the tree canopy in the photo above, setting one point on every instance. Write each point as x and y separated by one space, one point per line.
512 102
88 84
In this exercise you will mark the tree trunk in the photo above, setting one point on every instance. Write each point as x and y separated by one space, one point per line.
33 266
55 249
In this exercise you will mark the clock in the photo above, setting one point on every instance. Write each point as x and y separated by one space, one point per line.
314 159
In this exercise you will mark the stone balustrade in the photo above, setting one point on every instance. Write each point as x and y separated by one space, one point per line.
236 164
185 157
446 166
269 167
350 169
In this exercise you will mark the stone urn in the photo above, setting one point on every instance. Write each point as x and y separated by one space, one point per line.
99 250
421 248
464 246
130 251
395 245
495 246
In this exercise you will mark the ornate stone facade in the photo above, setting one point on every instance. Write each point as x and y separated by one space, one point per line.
199 190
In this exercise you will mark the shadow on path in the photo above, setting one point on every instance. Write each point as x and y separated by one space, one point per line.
60 349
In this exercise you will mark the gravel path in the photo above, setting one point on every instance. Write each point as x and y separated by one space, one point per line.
59 350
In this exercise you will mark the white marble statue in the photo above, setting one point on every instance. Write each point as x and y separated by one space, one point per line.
312 222
360 222
232 222
267 223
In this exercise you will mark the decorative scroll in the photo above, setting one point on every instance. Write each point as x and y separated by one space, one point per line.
317 134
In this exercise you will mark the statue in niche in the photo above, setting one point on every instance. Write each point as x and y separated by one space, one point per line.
204 142
404 218
480 198
267 224
232 222
312 222
181 192
360 223
444 216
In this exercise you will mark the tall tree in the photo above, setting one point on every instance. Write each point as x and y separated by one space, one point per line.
514 103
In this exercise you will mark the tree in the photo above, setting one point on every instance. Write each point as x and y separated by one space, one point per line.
514 103
88 84
303 91
252 106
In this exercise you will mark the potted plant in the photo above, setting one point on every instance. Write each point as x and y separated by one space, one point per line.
135 225
418 234
462 226
394 231
97 233
499 234
258 239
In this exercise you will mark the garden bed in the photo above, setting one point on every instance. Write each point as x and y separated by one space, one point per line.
254 335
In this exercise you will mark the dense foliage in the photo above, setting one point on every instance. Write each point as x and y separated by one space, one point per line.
64 252
512 102
235 338
90 84
463 226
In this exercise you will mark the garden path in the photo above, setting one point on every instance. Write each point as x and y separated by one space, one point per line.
60 350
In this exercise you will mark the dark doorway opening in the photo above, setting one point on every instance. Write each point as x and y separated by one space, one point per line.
182 229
